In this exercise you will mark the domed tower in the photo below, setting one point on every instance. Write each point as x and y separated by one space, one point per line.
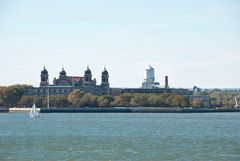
62 73
44 77
88 75
105 78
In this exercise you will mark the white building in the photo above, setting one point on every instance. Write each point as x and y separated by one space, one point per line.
149 78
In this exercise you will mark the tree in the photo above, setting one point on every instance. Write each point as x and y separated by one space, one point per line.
2 96
102 102
11 95
40 101
105 100
122 100
85 100
197 102
180 101
139 100
155 100
26 101
57 101
75 97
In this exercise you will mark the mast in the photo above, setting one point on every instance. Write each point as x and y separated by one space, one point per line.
48 96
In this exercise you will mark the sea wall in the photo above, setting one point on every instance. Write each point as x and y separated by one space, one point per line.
4 110
133 110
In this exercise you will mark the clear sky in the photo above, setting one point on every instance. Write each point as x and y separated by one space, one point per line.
193 42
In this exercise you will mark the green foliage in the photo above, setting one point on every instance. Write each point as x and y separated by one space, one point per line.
26 101
80 99
75 97
57 101
139 100
197 102
88 100
40 101
9 96
150 100
104 101
224 99
156 101
123 100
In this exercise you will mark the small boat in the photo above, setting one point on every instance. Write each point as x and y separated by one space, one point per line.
236 102
34 113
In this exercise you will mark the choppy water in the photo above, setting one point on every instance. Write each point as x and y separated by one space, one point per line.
209 136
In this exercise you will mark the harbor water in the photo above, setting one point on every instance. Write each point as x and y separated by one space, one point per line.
116 136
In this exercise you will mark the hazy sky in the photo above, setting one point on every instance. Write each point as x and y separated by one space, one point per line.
193 42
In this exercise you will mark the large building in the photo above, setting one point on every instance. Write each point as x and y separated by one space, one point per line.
64 84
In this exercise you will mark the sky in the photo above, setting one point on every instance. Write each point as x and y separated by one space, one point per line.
192 42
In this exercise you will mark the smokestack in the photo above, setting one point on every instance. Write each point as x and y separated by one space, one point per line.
166 82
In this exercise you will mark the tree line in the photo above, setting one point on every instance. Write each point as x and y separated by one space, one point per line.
219 98
13 96
79 99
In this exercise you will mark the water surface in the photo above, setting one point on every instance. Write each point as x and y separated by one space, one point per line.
114 136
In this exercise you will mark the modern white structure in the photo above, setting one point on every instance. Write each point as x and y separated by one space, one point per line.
149 74
149 78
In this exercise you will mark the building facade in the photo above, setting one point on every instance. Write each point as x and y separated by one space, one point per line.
64 84
149 78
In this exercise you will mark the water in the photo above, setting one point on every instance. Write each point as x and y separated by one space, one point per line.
105 136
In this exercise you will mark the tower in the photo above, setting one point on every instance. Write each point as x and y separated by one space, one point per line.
166 82
88 75
62 73
44 77
149 75
105 77
149 78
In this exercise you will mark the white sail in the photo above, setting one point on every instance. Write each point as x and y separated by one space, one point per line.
34 113
236 102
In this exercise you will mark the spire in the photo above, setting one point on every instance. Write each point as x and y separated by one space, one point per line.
63 73
44 71
105 72
44 77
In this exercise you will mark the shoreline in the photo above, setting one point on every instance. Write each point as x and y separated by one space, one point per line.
134 110
120 110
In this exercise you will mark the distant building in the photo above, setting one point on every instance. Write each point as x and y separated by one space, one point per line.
64 85
149 78
177 91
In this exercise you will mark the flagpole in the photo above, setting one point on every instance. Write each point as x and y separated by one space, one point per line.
48 96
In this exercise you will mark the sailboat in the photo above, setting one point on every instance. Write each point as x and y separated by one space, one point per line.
236 102
34 113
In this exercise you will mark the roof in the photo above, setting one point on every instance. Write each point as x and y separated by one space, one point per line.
76 78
